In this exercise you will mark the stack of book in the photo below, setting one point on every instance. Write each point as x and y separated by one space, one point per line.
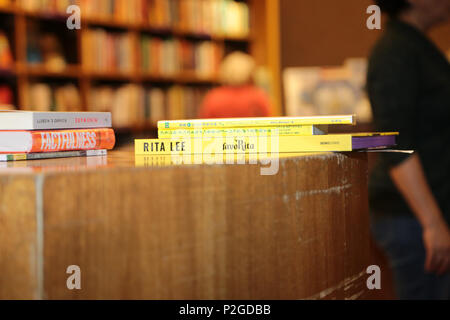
263 137
43 135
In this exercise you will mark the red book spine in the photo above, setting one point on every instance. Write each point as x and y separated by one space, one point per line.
67 140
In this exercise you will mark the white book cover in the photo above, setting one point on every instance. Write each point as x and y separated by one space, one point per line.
31 120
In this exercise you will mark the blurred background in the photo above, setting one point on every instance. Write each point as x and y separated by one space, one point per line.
148 60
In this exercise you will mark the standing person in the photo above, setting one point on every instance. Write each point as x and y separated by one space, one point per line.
409 89
238 96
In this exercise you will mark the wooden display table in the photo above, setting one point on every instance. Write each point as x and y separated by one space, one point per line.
185 232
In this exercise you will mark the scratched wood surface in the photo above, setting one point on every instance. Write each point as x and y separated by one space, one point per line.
18 239
205 232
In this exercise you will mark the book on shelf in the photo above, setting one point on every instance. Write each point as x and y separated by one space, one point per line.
145 106
55 140
264 144
6 58
126 103
215 17
43 97
124 11
5 3
52 52
53 6
45 48
29 120
171 57
105 51
256 122
155 108
210 17
52 155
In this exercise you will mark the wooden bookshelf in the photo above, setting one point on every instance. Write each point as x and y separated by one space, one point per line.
259 43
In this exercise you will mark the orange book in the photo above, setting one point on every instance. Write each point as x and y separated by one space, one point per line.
56 140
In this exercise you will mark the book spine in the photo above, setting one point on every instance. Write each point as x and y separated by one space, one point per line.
299 130
61 120
244 145
254 122
51 155
68 140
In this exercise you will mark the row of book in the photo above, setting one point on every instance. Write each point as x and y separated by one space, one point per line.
130 104
133 105
46 97
45 48
172 56
108 51
115 52
27 135
5 3
197 140
6 57
47 6
213 17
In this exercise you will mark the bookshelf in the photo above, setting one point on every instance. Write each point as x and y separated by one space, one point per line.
81 67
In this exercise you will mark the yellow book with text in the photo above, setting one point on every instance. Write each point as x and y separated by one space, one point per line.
296 130
264 144
255 122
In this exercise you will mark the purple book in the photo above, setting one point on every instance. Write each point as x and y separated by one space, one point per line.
375 141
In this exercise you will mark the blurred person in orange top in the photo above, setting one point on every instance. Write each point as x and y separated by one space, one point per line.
238 96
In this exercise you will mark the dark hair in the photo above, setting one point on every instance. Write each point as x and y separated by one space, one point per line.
393 7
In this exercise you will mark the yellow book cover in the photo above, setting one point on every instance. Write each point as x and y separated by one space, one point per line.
264 144
296 130
255 122
244 145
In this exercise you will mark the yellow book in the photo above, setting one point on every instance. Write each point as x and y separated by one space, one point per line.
255 122
296 130
263 144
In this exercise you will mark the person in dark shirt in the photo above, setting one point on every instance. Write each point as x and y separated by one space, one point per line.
409 194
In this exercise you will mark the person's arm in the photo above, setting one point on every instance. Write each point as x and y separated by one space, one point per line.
394 84
410 179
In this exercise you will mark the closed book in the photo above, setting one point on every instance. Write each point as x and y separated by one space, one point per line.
56 140
264 144
255 122
30 120
51 155
297 130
